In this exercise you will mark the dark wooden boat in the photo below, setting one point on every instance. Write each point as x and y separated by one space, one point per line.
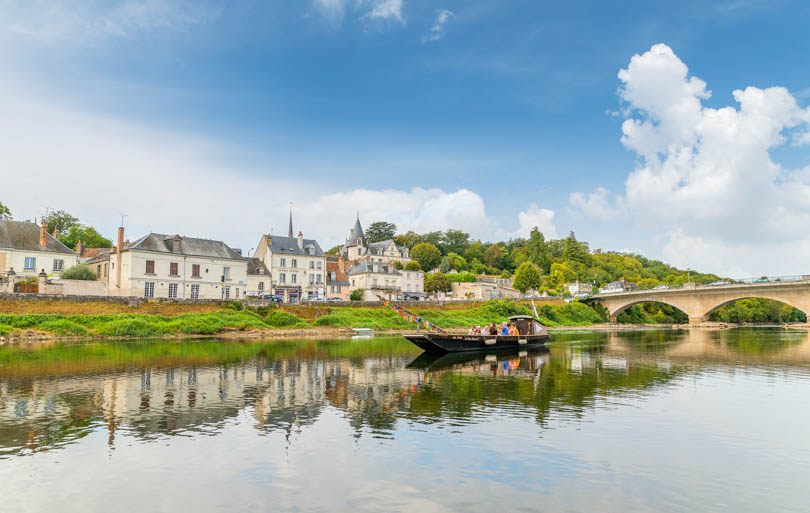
533 335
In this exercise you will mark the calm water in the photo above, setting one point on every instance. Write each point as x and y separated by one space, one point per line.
642 421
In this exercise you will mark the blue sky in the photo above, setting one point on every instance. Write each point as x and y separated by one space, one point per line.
517 103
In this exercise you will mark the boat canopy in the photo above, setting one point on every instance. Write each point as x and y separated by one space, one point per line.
527 325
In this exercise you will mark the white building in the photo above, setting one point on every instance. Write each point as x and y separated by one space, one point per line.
297 265
357 247
259 279
28 250
578 289
175 266
383 279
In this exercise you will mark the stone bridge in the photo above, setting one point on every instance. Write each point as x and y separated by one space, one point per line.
698 302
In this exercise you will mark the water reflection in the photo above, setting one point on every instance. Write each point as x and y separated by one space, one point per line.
57 394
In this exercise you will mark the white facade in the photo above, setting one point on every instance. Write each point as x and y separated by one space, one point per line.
31 263
385 280
297 266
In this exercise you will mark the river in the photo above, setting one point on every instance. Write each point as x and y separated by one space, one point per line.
693 420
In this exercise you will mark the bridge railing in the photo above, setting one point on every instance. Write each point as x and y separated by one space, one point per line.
720 283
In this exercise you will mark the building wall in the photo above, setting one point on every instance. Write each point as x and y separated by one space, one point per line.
253 281
338 290
296 271
134 277
12 258
413 281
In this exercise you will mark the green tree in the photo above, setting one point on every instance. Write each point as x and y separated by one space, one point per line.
445 266
493 256
561 273
409 239
381 230
60 219
427 255
87 234
5 213
335 250
79 272
412 265
398 264
455 241
356 295
527 277
457 262
475 251
437 282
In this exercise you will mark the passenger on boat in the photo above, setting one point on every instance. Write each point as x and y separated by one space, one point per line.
471 330
493 330
512 330
505 329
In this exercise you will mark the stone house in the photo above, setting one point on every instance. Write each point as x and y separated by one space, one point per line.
579 288
357 247
337 281
297 265
175 266
383 279
258 278
28 250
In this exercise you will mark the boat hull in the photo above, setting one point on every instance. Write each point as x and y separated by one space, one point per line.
458 343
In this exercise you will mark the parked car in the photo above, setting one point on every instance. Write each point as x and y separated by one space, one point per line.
660 287
721 282
335 299
271 297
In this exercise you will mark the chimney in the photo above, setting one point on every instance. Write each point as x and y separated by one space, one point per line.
120 239
43 235
300 240
56 233
341 263
79 247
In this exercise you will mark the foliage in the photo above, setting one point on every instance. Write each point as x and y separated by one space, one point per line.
380 230
505 274
398 264
493 256
87 234
437 282
335 250
445 266
462 277
412 265
652 313
233 305
527 277
60 219
427 255
282 319
356 295
79 272
5 213
758 310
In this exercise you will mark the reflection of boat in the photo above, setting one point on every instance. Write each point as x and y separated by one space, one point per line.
433 361
533 335
363 331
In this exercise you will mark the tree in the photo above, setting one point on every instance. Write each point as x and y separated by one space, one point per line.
60 219
79 272
398 264
380 230
412 265
335 250
455 241
409 240
475 251
527 277
505 274
87 234
457 262
561 273
437 282
356 295
427 255
5 213
445 266
493 256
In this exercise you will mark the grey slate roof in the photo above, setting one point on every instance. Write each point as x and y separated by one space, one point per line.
191 246
23 235
378 248
257 267
289 246
357 232
372 267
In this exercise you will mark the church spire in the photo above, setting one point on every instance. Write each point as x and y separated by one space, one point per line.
290 234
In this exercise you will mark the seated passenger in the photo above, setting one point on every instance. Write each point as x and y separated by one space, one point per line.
512 330
493 330
471 330
505 329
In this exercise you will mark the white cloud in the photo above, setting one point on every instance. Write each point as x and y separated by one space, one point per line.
706 176
596 204
96 168
373 10
532 217
89 20
436 31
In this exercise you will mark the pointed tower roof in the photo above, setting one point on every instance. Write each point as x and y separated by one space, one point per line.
357 231
290 234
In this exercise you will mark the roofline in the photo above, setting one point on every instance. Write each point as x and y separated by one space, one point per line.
241 258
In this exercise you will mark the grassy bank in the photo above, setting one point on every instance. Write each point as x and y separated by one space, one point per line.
229 320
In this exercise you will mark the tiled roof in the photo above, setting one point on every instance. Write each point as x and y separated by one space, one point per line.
23 235
340 276
289 246
257 267
188 246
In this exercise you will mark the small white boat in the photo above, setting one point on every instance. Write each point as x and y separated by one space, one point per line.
363 331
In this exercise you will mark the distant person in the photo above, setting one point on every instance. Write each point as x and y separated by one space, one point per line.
505 329
512 330
493 330
471 331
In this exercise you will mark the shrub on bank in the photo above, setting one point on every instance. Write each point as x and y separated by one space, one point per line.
283 319
5 329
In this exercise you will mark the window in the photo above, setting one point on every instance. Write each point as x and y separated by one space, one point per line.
149 289
227 292
237 292
98 270
340 288
261 285
318 278
282 278
294 263
30 263
195 291
311 279
226 272
150 267
174 269
294 278
105 269
58 265
409 287
333 275
195 271
332 288
173 290
319 264
312 264
283 262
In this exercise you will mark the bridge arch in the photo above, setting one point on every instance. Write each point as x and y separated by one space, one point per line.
773 297
614 314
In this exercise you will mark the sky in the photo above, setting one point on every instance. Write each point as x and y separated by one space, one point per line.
678 130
